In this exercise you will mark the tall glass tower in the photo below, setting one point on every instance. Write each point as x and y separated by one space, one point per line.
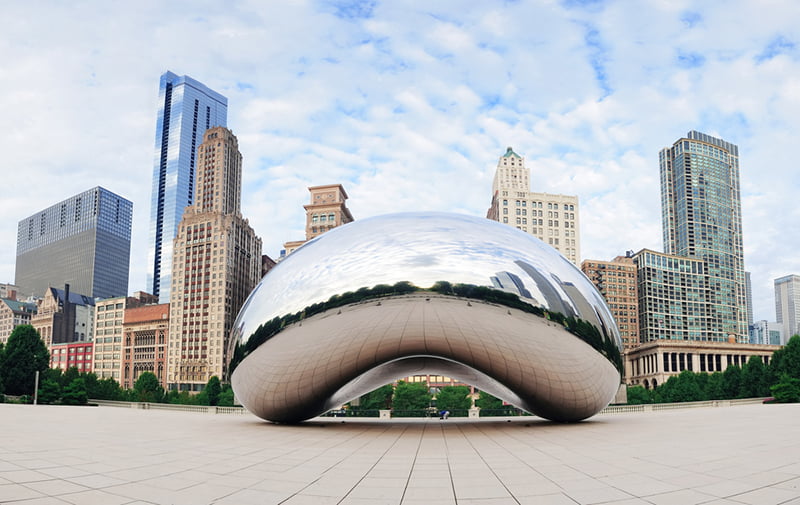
701 214
84 241
187 108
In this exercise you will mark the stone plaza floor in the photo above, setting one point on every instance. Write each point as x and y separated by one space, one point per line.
107 456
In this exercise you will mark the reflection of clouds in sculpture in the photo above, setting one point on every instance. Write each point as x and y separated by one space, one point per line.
421 248
536 363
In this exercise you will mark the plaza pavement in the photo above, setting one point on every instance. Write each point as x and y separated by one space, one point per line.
107 456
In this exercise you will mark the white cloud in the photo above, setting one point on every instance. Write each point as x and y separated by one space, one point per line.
410 108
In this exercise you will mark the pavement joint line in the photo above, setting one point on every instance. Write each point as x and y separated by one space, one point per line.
413 462
488 466
449 467
334 465
377 461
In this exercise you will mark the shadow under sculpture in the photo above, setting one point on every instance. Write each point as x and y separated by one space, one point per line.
406 294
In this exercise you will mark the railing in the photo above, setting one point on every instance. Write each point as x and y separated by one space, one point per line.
210 409
505 412
650 407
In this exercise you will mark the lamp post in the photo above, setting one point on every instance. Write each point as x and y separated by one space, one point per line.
36 388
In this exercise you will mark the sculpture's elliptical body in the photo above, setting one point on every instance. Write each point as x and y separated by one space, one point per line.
404 294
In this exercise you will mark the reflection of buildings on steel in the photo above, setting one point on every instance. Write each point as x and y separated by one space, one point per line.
293 368
586 310
511 283
552 299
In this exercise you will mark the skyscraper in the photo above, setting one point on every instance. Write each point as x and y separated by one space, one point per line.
787 305
217 263
702 218
187 108
84 241
553 219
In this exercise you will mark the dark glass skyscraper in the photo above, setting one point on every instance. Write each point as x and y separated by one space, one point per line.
702 218
84 241
187 108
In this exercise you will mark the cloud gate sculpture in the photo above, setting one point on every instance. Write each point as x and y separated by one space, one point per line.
405 294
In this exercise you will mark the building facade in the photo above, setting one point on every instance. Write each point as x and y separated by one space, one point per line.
748 297
766 333
144 346
553 219
10 292
13 314
673 298
617 281
84 241
652 363
63 316
217 263
787 305
72 354
702 218
327 210
186 109
109 320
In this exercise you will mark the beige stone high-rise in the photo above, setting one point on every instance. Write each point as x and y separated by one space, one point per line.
326 211
216 264
553 219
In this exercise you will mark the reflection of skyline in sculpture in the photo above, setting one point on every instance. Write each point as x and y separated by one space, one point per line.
298 355
511 283
553 300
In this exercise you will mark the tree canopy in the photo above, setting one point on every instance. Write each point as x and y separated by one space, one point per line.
411 396
23 355
453 398
147 388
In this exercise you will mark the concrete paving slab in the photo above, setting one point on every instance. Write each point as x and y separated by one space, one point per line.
114 456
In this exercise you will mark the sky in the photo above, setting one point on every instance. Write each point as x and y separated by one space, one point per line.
409 105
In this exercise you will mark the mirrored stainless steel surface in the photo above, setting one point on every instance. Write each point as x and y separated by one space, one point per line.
421 249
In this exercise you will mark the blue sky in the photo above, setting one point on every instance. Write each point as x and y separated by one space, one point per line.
410 104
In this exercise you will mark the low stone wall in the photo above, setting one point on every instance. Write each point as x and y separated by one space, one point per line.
386 415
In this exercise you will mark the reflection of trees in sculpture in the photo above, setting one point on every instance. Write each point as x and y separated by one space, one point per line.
582 329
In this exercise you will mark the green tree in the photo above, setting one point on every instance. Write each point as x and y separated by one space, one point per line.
786 360
488 402
49 392
23 356
411 396
754 378
105 389
2 387
453 398
226 396
70 375
213 389
787 390
715 386
53 374
638 395
377 399
182 398
147 388
75 392
732 382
